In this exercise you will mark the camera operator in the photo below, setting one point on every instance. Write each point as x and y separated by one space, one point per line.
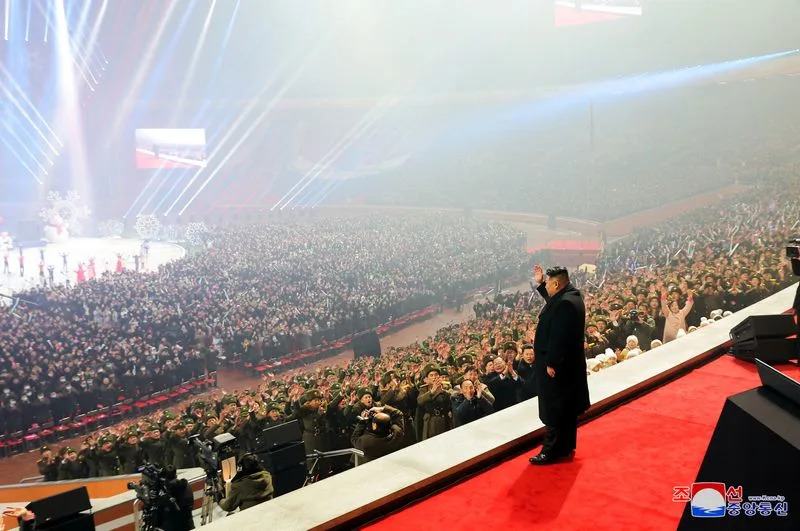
379 432
167 500
634 324
251 485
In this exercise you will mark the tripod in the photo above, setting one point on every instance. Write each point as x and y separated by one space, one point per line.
212 492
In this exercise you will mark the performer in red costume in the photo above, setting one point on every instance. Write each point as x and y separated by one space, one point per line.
119 263
81 274
91 270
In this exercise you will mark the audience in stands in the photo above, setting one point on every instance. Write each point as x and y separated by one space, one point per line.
703 265
263 291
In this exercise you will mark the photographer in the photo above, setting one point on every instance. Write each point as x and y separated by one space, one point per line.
379 432
251 485
632 325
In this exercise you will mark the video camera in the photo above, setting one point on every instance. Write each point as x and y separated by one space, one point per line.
164 498
153 483
213 452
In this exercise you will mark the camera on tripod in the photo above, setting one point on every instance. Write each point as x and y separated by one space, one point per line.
166 500
152 486
212 453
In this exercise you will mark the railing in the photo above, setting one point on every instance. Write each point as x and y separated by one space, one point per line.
316 455
32 479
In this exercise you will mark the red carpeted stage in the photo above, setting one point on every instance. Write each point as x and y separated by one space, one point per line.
628 462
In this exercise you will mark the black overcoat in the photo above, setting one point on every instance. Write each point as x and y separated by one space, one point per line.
559 344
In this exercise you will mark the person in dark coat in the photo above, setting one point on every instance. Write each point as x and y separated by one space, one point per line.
379 433
525 367
470 404
560 363
48 464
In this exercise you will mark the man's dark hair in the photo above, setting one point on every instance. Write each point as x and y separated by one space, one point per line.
559 272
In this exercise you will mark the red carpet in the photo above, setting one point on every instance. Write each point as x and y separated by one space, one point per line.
627 462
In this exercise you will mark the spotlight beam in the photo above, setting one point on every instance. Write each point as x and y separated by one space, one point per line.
145 65
190 71
24 113
236 124
367 121
244 136
22 162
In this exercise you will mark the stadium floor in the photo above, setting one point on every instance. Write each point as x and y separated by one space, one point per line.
622 477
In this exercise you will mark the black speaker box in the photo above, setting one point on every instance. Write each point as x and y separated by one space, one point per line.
755 446
284 457
770 350
763 326
289 479
279 435
63 511
367 344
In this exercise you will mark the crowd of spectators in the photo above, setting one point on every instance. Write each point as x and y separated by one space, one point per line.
262 290
652 287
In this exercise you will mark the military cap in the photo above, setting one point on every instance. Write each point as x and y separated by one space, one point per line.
274 406
364 391
430 368
310 395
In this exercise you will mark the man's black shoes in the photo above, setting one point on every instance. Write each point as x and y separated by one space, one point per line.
551 458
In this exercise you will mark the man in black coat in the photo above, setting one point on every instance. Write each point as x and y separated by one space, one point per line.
560 364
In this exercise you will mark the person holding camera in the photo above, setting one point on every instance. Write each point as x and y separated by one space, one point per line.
634 324
250 486
379 432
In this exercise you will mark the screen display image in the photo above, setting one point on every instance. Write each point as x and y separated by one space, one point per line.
170 148
577 12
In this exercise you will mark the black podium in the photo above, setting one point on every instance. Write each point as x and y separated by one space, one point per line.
755 446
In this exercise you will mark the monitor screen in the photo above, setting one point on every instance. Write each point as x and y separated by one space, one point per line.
170 148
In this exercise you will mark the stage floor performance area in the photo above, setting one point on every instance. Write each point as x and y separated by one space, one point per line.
626 466
104 251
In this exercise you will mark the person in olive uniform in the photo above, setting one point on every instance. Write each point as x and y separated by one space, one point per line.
560 364
434 402
47 464
379 433
312 420
249 487
130 454
106 457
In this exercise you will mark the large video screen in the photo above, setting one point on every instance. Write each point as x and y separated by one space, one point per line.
170 148
577 12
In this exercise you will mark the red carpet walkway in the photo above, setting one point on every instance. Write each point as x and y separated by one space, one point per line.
627 462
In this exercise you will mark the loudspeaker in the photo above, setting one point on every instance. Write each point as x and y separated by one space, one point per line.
283 458
279 435
770 349
289 479
763 326
755 446
63 511
366 344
